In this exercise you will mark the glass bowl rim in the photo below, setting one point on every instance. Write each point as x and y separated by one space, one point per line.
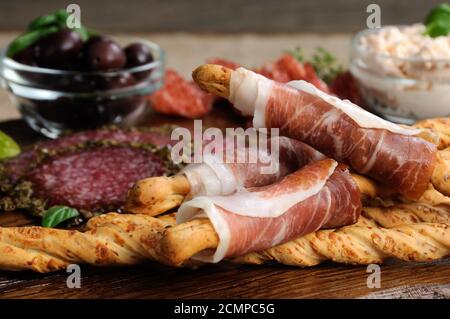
356 46
6 61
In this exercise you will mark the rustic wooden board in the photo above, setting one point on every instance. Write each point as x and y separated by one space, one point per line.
225 280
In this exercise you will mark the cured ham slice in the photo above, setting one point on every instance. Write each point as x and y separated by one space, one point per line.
394 155
320 195
213 177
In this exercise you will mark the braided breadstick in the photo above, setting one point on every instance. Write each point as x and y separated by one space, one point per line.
118 239
439 126
441 174
362 243
110 239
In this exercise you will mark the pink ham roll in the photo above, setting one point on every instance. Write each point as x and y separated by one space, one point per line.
320 195
389 153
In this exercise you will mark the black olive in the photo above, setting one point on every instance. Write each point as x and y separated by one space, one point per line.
104 54
59 50
26 56
116 82
138 54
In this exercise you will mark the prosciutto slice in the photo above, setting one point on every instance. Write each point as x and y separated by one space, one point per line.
322 194
389 153
215 177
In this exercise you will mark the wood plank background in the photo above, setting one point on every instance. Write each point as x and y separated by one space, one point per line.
220 16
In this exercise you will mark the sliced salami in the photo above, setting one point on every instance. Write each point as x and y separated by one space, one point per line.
17 167
181 97
96 180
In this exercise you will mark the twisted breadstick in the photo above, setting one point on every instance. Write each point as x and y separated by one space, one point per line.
119 239
110 239
362 243
441 127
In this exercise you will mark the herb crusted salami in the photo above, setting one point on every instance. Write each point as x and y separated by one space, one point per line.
91 171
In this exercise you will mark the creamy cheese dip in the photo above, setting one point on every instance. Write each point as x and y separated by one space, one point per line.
404 74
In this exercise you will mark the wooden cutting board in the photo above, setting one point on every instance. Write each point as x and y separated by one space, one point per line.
225 280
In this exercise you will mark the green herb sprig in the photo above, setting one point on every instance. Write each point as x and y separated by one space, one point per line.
40 28
324 63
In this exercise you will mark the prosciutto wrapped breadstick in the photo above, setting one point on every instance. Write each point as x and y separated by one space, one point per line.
394 155
156 195
320 195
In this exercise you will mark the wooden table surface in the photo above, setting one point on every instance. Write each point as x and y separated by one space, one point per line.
224 280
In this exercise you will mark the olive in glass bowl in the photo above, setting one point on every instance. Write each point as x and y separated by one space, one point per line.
82 95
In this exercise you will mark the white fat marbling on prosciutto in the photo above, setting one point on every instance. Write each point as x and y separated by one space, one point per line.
210 178
259 204
360 116
249 93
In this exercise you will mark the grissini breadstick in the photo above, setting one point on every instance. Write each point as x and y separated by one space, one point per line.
441 174
391 154
440 127
312 249
118 239
372 239
110 239
155 195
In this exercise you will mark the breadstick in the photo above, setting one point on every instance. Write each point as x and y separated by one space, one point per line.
441 127
364 242
434 198
110 239
441 173
155 195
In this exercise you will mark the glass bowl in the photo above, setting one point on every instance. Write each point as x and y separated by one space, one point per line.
399 89
53 101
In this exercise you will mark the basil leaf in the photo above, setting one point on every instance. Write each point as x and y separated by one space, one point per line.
57 18
25 40
8 148
438 21
57 214
438 28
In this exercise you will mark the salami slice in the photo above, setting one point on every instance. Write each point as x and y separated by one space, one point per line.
17 167
287 68
89 170
96 180
181 97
